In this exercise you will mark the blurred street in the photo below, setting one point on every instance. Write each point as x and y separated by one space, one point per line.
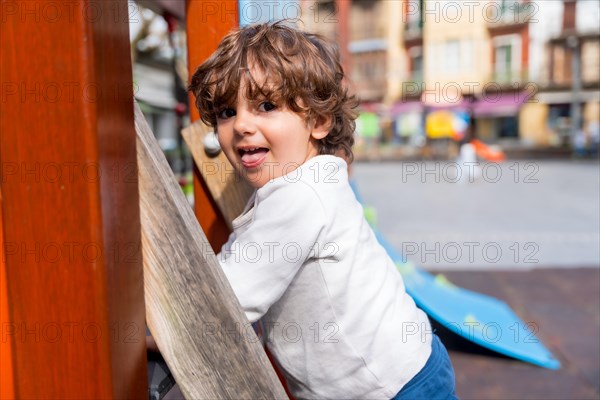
518 214
562 306
528 234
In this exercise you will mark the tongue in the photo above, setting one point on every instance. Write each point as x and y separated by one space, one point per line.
253 156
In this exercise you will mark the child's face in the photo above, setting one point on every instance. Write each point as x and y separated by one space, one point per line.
263 140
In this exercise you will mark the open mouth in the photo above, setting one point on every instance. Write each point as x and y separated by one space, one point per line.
252 157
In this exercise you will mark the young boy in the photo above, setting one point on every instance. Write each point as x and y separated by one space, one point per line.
302 258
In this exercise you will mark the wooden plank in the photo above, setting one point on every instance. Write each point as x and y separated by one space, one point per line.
229 190
206 24
6 372
70 206
192 311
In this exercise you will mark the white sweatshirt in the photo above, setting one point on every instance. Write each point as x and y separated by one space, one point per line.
334 308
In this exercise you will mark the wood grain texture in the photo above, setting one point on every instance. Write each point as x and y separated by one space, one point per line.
226 186
70 209
192 311
6 372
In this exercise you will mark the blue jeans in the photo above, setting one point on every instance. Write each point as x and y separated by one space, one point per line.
435 380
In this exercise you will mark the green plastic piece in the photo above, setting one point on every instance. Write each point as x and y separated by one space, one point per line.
440 279
370 215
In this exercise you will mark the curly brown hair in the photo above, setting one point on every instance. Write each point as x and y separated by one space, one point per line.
302 71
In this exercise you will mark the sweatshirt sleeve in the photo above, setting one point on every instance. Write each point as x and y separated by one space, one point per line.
261 261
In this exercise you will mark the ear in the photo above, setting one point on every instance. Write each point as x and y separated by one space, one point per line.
322 126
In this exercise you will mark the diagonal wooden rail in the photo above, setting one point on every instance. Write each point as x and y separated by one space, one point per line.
191 310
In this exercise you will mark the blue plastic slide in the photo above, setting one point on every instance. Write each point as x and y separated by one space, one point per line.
481 319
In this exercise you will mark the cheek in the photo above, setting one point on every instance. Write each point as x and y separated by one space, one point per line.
225 142
222 136
225 138
221 140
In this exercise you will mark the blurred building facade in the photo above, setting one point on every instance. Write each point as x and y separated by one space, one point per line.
521 72
159 63
375 59
569 95
525 71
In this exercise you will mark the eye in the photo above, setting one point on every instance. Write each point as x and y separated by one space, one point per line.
226 113
266 106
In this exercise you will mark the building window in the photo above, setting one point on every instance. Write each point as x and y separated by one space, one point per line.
507 58
416 64
366 20
414 18
434 58
503 65
590 52
508 11
559 73
452 56
508 127
468 55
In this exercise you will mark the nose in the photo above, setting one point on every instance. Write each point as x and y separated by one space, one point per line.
244 121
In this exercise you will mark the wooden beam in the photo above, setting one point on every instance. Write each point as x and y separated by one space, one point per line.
6 372
193 314
70 208
206 23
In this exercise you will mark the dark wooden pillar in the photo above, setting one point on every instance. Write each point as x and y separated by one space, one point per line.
70 212
207 22
6 375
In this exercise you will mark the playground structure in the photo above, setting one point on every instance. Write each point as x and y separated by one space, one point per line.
89 213
73 312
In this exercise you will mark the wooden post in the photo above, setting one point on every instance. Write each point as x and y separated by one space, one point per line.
207 22
193 314
6 374
70 208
